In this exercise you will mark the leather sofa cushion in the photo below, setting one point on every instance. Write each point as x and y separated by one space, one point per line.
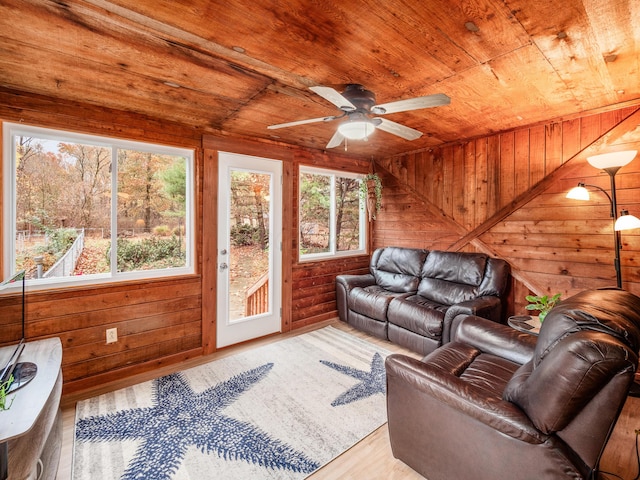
417 314
372 301
484 371
398 269
452 277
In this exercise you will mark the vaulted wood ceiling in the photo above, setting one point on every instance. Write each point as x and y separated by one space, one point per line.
236 66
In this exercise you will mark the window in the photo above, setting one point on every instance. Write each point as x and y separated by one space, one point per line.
331 220
85 208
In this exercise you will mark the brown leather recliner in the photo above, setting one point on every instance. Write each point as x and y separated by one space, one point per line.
496 404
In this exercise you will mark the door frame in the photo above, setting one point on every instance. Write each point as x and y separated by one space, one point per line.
233 331
208 226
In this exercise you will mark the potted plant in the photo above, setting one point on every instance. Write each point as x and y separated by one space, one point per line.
371 192
542 303
4 388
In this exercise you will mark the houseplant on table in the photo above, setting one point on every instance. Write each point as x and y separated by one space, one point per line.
542 303
4 389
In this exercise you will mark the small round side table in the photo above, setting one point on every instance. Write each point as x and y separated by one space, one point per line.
525 323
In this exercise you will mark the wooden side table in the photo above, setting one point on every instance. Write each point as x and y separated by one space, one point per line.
525 323
32 427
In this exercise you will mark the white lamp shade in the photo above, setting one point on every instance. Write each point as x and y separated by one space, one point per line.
613 159
626 221
356 130
578 193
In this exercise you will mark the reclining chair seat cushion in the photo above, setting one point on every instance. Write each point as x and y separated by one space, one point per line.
418 315
372 301
483 371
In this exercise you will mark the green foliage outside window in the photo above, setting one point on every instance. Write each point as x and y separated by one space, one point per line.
153 252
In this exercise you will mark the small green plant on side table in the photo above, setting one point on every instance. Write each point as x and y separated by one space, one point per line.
4 387
543 304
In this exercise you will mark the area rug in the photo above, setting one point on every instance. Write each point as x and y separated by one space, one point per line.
278 411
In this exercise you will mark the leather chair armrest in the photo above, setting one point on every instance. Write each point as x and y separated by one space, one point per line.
344 284
494 338
415 377
486 307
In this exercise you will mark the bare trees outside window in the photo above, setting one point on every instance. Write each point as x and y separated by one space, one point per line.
331 217
90 206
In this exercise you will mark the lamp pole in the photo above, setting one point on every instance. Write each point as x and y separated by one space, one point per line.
614 215
611 163
614 209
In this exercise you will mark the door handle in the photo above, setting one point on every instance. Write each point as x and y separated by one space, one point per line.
223 266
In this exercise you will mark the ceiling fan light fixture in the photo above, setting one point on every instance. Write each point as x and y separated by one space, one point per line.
356 130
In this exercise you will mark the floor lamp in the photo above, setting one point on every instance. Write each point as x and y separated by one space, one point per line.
611 163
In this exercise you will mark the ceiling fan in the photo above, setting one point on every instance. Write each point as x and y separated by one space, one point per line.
358 106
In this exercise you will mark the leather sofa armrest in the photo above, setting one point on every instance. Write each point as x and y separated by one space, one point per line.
495 338
352 281
344 284
486 307
414 377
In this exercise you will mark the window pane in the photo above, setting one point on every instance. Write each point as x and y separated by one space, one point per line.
63 193
249 246
151 211
347 214
315 213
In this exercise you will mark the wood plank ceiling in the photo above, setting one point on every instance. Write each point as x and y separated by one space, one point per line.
234 67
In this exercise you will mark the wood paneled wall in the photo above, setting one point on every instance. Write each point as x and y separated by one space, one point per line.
165 320
158 320
314 286
505 194
308 287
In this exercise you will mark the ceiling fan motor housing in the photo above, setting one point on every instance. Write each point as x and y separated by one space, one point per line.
359 96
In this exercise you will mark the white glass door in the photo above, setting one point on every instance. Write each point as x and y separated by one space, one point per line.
249 248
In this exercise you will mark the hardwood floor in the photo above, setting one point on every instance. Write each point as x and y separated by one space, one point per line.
371 458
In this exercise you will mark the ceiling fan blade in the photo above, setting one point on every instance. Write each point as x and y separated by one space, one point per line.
336 140
333 96
415 103
301 122
397 129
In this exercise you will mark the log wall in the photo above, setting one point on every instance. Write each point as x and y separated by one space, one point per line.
158 320
314 286
308 294
162 321
505 195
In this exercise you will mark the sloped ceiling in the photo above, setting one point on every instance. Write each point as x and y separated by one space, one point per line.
235 67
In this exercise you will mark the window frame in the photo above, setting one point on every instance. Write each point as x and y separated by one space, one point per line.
12 130
362 223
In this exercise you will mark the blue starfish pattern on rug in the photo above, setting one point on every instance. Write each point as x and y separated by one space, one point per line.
180 418
371 382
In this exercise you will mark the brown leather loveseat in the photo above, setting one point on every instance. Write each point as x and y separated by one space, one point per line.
411 295
496 404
